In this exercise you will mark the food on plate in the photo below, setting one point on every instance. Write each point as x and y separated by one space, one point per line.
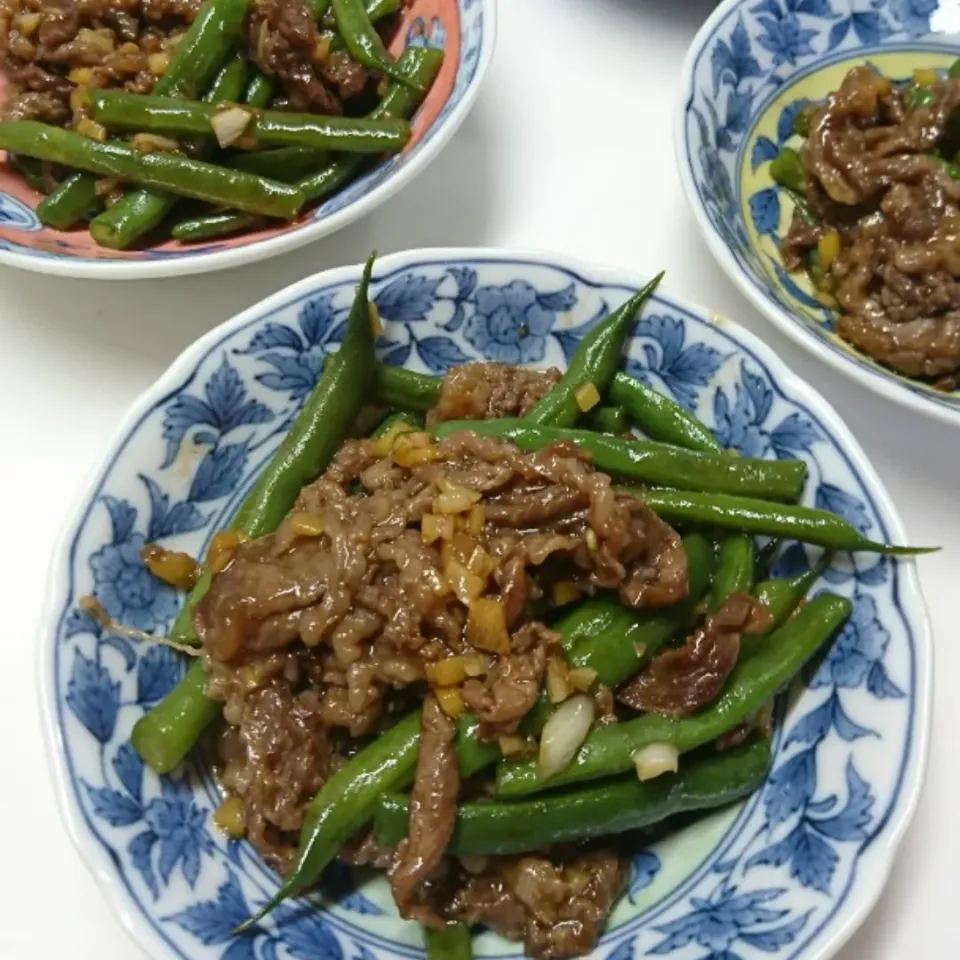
460 651
877 218
120 110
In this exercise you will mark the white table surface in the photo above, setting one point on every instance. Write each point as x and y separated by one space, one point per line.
568 147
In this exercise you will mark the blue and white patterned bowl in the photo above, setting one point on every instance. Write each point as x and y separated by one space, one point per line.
788 874
751 66
464 29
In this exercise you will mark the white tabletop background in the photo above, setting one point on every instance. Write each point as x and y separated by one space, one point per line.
569 148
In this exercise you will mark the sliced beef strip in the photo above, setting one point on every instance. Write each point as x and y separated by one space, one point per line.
433 812
681 681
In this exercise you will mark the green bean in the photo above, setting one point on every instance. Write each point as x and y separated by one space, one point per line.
72 201
318 8
421 65
138 212
916 96
767 556
803 119
286 164
758 517
345 803
305 451
260 91
406 389
661 418
782 597
213 225
199 55
734 569
364 43
165 735
31 171
651 462
753 681
954 70
393 422
612 420
786 168
378 9
713 780
631 637
616 641
594 361
453 942
119 109
161 171
399 101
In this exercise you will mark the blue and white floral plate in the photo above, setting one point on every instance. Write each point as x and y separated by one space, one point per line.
790 873
753 64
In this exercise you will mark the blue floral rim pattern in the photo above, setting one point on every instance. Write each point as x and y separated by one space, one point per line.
773 880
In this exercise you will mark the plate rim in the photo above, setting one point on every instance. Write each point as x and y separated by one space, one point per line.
87 268
886 385
847 916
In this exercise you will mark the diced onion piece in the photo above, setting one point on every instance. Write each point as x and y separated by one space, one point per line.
158 63
564 592
476 518
91 130
564 733
451 703
100 40
925 78
476 664
26 23
481 563
79 75
79 97
512 745
413 448
171 566
129 49
828 246
454 498
582 678
466 585
453 670
230 124
230 818
321 50
434 528
301 523
384 444
558 686
153 143
459 548
587 396
487 626
221 549
106 186
655 759
591 537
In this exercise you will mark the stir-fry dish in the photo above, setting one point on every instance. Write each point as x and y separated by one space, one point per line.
476 648
877 217
119 110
